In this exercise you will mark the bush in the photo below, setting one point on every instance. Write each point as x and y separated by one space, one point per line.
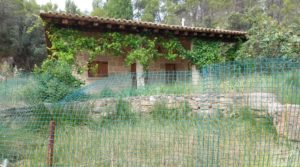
291 92
269 38
162 112
76 96
54 81
294 80
107 92
122 113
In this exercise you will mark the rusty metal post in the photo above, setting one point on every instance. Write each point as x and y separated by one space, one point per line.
51 144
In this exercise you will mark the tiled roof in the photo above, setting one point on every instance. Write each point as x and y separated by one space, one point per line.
89 21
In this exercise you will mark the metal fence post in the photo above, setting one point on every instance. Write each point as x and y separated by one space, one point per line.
51 144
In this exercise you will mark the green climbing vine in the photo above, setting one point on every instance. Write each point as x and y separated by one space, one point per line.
204 52
209 52
66 43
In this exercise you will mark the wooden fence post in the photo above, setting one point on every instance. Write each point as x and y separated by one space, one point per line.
51 144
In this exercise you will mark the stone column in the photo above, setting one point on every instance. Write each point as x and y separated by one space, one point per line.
195 75
195 72
140 75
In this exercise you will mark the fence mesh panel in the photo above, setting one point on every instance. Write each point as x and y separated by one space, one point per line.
231 114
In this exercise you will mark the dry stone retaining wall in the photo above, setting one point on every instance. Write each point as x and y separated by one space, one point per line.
286 117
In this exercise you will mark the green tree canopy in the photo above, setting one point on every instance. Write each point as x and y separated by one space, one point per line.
70 7
21 32
121 9
270 38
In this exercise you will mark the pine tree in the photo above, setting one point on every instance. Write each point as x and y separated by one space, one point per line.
70 7
121 9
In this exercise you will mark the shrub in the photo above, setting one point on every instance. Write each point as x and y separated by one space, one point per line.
162 112
294 80
122 112
76 96
54 81
269 38
290 93
107 92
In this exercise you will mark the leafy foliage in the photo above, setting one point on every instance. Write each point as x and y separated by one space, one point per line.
22 35
113 8
21 32
107 92
54 81
269 38
294 80
121 113
205 52
67 43
71 7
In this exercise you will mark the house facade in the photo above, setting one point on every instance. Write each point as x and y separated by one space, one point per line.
107 65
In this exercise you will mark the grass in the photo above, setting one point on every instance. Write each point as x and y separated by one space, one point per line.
162 112
164 137
283 84
121 113
243 140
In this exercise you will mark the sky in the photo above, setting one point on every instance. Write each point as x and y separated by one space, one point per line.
83 5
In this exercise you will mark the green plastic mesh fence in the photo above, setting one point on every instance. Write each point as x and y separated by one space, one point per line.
232 114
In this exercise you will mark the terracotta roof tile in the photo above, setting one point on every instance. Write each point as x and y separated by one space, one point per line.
141 24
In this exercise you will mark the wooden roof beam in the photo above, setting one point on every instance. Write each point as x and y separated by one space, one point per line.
145 29
122 27
65 21
82 23
134 28
95 24
109 26
211 35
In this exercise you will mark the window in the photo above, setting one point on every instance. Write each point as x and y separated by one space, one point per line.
98 69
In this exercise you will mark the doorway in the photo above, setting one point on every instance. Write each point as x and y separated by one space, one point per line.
170 73
133 75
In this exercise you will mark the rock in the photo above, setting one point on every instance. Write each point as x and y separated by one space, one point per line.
146 103
152 99
260 101
287 122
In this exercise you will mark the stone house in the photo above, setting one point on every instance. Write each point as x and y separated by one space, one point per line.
109 65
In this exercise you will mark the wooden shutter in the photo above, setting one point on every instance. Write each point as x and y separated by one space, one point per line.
98 69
